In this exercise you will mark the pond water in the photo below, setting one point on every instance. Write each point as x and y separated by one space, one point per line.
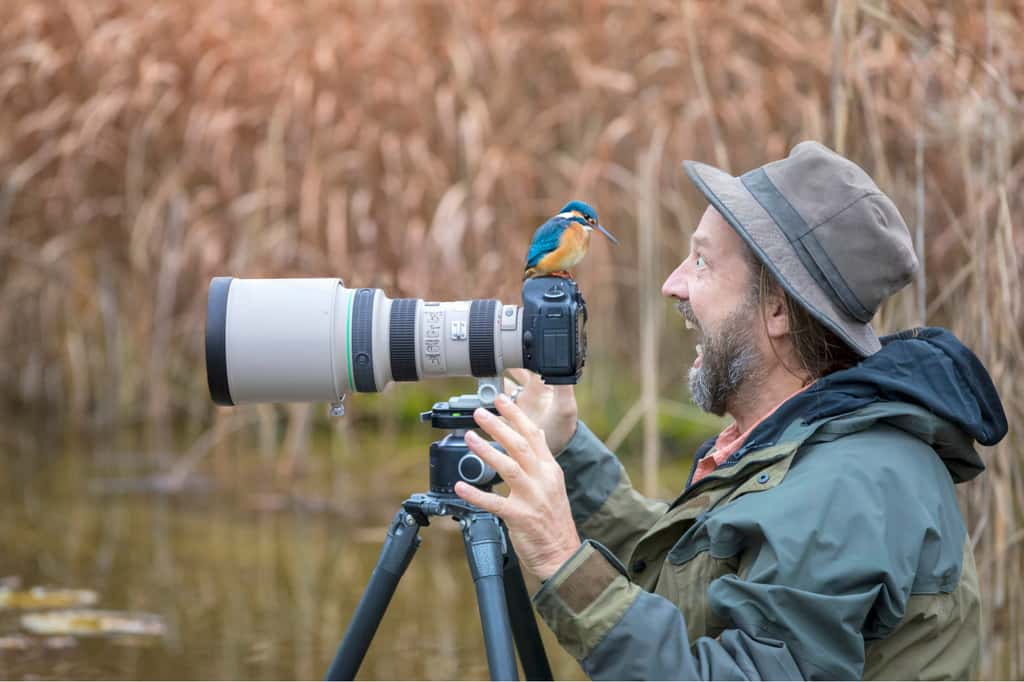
251 579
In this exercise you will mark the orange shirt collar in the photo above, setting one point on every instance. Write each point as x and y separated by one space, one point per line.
730 440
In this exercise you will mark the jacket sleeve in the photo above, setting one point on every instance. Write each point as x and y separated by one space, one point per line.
617 631
605 506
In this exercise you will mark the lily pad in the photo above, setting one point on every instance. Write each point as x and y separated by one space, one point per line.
45 598
93 622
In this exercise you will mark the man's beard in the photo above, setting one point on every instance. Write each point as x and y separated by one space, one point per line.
730 360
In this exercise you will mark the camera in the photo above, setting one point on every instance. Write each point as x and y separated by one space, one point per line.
298 340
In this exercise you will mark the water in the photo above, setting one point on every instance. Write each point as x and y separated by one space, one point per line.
253 579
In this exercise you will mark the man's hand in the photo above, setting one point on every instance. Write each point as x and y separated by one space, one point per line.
536 510
552 408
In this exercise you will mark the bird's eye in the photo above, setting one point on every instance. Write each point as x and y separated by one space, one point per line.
590 220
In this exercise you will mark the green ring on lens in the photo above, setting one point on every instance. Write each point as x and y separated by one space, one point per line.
348 338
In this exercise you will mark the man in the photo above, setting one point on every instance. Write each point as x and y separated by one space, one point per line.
819 535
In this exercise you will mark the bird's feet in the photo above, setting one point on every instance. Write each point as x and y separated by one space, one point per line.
564 274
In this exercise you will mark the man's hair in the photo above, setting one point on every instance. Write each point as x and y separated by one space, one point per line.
819 350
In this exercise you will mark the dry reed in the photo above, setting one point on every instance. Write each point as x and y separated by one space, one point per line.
145 147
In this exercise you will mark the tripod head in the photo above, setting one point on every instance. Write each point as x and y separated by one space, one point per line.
451 460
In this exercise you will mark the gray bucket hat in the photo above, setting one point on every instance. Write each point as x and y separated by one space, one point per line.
830 237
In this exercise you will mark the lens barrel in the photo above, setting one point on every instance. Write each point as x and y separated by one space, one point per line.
298 340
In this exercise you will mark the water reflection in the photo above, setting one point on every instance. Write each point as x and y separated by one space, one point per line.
251 580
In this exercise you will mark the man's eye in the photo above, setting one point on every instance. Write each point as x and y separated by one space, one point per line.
700 261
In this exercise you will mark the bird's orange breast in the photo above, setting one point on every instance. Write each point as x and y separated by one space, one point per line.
571 249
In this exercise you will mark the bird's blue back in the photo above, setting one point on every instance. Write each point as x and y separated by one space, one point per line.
546 238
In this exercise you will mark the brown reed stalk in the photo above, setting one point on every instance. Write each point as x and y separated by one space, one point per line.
648 284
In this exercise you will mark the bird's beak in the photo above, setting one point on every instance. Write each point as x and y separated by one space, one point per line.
608 234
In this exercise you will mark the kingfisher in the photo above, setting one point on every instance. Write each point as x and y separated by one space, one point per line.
562 241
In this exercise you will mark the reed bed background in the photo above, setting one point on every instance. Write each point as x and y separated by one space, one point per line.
148 146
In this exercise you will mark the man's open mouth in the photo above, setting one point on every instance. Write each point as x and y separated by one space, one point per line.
699 360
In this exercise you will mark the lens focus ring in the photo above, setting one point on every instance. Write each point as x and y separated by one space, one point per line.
402 337
481 337
362 342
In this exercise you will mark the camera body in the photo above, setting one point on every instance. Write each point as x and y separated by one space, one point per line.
554 329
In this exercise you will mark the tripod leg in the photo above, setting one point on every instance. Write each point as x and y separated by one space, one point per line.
482 535
399 547
524 625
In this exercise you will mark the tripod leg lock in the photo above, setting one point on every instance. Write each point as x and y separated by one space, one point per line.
400 544
415 512
485 541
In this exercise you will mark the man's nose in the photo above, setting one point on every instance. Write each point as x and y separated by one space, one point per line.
675 285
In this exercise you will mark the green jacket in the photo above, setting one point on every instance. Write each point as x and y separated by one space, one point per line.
831 546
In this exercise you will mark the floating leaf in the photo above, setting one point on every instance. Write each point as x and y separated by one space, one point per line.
45 598
60 642
14 643
87 622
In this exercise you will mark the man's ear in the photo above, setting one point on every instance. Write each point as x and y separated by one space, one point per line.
776 314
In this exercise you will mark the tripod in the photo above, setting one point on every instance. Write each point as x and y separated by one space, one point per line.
505 612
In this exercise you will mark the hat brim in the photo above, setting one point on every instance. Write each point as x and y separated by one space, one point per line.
757 228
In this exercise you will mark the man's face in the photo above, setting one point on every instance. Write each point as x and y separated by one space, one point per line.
713 286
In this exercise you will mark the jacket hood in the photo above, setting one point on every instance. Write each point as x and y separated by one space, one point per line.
925 368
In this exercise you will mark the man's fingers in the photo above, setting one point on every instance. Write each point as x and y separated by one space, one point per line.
522 424
521 376
496 504
509 386
515 445
507 467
